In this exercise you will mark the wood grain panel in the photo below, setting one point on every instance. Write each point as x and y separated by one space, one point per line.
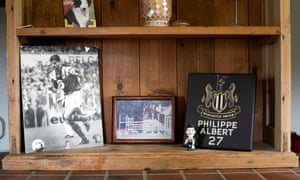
193 56
13 76
256 56
269 93
47 13
272 12
120 57
154 157
191 12
212 13
27 15
120 75
256 12
224 12
158 67
98 12
231 56
257 61
120 12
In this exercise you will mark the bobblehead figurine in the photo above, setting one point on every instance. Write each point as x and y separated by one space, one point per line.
190 141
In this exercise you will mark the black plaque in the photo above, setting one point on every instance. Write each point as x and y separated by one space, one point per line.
221 109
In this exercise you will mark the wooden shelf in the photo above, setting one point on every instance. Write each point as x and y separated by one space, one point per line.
117 32
139 157
233 52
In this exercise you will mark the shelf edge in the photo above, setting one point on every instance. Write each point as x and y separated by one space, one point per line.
190 31
122 158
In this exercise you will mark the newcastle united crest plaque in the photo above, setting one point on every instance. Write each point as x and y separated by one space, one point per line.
221 109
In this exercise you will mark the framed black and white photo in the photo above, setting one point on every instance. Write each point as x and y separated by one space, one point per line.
61 100
143 119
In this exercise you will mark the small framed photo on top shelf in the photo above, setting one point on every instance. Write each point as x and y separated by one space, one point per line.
79 13
143 119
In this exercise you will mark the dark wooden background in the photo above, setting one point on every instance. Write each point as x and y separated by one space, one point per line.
2 3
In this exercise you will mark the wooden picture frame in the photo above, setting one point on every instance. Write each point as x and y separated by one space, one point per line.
143 119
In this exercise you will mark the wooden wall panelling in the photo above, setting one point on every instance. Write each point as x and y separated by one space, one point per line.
272 53
272 12
257 67
196 12
120 57
257 61
120 12
269 106
212 13
158 67
224 12
120 75
256 12
87 42
98 12
27 13
193 56
231 56
47 13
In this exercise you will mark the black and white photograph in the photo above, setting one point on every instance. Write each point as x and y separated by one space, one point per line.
61 99
143 119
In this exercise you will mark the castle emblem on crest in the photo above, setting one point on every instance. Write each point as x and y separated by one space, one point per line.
219 103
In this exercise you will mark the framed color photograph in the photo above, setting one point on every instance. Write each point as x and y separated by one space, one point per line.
143 119
61 100
79 13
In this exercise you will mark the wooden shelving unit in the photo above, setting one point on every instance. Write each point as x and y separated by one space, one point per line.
162 32
140 157
261 46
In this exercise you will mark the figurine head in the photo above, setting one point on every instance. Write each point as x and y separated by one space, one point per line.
190 131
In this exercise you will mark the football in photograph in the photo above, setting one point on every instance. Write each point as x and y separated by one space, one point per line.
61 100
